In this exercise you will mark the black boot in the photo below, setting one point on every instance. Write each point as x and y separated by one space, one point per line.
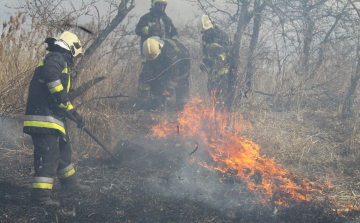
42 197
72 184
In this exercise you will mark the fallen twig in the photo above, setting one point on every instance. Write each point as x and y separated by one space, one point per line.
197 145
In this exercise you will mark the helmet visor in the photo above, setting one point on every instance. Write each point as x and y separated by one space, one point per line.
77 45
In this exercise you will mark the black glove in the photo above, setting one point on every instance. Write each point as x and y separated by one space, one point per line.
80 119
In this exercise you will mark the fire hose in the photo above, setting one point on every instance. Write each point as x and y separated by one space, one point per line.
69 115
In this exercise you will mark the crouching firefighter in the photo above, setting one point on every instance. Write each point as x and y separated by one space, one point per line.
216 62
166 71
45 120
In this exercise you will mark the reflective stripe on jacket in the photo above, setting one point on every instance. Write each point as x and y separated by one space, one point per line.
48 96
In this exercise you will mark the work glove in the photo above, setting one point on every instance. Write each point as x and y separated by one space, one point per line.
155 28
79 118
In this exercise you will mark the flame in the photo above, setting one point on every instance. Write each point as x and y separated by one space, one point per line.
234 154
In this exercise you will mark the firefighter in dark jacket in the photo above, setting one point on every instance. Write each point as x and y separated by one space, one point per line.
167 70
45 119
155 23
215 44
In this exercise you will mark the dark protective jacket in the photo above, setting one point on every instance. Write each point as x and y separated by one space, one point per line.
143 28
48 96
210 42
173 62
169 71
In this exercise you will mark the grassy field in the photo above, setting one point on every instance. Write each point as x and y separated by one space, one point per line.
302 129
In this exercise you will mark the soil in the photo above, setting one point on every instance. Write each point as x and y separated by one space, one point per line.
155 183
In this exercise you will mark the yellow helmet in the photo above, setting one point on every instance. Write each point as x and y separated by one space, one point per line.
158 1
204 23
152 48
71 42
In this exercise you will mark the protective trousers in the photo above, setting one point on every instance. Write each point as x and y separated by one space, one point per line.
160 87
52 157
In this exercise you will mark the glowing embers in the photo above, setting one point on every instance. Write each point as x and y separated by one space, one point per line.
220 133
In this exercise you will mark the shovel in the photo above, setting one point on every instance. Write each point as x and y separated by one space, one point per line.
69 115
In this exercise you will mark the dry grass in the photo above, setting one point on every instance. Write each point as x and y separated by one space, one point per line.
20 51
303 132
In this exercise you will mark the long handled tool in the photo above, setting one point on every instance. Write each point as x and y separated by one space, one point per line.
69 115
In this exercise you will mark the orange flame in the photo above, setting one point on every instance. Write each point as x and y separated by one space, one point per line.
221 135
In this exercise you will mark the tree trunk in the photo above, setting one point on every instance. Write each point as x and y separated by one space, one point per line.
308 37
253 43
123 10
244 19
348 102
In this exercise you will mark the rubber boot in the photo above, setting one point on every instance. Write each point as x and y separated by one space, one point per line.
42 197
72 184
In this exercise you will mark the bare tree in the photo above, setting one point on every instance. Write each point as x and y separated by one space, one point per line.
60 15
348 102
237 14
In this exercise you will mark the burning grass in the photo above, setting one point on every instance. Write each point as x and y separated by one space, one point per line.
231 153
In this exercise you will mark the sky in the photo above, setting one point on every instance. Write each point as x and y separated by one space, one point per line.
180 11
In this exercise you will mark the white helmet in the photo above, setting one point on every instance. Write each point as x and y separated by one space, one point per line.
205 23
158 1
71 42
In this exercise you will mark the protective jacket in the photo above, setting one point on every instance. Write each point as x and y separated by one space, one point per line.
48 96
215 47
168 72
143 28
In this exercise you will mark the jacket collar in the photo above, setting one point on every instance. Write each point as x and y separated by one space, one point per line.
157 12
68 58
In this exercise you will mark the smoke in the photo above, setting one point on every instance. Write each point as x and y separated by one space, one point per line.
178 175
11 136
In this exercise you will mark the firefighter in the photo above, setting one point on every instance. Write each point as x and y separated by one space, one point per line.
215 45
45 121
155 23
167 70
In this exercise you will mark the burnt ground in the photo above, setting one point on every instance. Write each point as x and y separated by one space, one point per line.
156 183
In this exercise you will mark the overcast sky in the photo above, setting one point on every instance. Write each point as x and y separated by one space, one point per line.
180 11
